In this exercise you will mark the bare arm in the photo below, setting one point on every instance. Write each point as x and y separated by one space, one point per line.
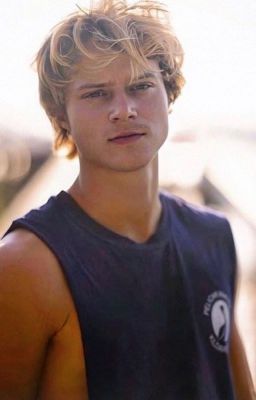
25 321
41 351
241 373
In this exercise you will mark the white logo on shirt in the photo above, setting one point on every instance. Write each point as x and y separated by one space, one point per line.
217 308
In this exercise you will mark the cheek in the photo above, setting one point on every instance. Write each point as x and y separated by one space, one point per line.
158 103
79 120
157 110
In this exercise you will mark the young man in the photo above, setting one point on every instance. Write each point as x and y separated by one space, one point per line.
113 290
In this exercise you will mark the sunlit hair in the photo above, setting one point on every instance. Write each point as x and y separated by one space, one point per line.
102 33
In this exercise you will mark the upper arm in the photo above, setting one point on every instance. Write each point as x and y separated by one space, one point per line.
242 378
241 374
25 320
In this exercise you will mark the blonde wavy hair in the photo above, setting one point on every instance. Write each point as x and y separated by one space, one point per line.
102 33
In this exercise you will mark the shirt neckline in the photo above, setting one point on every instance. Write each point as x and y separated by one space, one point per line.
72 210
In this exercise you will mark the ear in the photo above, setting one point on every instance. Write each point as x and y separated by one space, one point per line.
64 124
63 121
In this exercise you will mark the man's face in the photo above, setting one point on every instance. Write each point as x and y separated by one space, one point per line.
116 124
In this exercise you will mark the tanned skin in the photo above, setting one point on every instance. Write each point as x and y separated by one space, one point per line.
41 353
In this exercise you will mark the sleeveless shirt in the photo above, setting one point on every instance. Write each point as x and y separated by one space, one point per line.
155 317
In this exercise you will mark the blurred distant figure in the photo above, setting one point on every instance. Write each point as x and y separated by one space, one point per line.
113 290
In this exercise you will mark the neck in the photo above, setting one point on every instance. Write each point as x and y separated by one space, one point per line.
126 203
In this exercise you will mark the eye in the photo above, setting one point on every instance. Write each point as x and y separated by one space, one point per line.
94 94
141 86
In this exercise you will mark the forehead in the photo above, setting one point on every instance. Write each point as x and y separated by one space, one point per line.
121 69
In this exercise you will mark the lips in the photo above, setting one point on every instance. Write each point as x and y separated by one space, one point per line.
126 135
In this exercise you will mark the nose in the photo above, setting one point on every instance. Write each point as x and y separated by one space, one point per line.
122 108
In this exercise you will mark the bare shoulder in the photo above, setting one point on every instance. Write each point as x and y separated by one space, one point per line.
28 265
241 373
34 305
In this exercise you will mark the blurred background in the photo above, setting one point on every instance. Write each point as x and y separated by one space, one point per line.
209 157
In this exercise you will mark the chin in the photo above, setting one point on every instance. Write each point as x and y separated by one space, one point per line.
136 165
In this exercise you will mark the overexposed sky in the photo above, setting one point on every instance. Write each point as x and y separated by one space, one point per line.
218 36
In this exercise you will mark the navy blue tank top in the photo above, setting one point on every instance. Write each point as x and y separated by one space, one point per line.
155 317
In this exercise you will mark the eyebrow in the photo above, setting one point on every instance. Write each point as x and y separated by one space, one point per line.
105 84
